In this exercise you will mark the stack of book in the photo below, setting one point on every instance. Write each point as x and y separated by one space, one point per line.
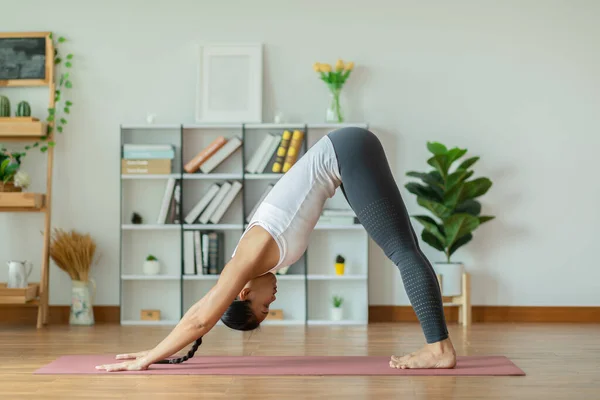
213 155
204 252
213 205
147 159
276 153
331 216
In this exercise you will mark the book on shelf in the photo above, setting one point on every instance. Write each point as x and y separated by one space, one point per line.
293 150
145 167
166 201
338 220
215 203
212 206
260 200
267 148
338 212
281 152
189 256
276 153
148 151
194 213
174 208
194 164
230 196
221 155
204 252
213 155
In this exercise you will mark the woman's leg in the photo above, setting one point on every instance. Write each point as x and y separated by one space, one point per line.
371 191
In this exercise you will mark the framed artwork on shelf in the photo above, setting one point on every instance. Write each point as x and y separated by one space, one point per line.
26 58
230 79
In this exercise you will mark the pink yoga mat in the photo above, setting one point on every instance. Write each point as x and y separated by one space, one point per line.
285 365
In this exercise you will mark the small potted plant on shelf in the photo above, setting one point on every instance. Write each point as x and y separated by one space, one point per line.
449 196
337 310
12 179
340 263
151 265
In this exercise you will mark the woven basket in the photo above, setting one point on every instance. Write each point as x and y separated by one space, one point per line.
9 187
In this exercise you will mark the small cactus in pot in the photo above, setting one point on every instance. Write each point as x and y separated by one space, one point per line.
4 106
23 109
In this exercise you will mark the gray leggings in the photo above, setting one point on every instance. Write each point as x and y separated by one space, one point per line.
371 191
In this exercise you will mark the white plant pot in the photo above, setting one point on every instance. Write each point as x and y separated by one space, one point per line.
337 313
151 267
451 277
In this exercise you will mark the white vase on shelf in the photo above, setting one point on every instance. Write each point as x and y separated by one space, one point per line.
337 313
151 267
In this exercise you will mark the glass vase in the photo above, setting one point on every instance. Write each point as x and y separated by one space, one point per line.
334 111
82 298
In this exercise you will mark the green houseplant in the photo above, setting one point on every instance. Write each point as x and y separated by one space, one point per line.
12 179
450 195
337 311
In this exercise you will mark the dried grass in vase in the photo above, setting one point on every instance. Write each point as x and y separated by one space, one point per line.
73 252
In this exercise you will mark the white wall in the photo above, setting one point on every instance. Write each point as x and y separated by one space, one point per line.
515 82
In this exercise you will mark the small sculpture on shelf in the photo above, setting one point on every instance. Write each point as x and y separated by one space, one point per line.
340 263
337 311
136 219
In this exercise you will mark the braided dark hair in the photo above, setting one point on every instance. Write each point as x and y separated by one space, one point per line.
189 355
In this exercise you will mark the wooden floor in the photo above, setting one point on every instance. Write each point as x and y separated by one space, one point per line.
562 361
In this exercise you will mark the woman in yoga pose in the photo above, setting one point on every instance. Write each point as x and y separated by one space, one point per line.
277 236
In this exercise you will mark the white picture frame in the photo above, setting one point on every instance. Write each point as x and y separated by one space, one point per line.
230 80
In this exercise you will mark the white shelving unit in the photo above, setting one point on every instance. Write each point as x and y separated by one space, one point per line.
305 292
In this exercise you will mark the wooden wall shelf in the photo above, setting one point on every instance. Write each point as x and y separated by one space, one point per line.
29 129
21 128
21 200
18 295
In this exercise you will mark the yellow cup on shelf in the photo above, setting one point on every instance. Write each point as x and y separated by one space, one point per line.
339 268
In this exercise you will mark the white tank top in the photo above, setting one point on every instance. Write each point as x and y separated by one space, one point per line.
293 206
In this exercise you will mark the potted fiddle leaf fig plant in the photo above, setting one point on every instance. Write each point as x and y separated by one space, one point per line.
449 194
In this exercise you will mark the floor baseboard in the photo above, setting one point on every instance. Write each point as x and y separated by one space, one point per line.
57 315
481 314
494 314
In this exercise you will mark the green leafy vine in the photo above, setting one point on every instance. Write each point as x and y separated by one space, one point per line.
57 115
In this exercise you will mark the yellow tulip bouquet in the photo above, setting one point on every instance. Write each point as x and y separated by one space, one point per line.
335 80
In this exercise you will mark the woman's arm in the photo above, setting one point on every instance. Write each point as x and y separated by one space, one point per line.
202 316
256 254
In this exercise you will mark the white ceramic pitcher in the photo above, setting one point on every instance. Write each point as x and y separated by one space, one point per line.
18 273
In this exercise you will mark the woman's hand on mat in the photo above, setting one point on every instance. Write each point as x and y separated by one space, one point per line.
133 365
132 356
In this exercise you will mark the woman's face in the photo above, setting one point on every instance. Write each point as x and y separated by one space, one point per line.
261 293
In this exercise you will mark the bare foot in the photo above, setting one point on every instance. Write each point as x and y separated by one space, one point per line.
434 355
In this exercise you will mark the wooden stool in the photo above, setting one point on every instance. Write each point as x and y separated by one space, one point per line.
463 301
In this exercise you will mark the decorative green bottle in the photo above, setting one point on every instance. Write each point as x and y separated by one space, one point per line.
4 106
23 109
